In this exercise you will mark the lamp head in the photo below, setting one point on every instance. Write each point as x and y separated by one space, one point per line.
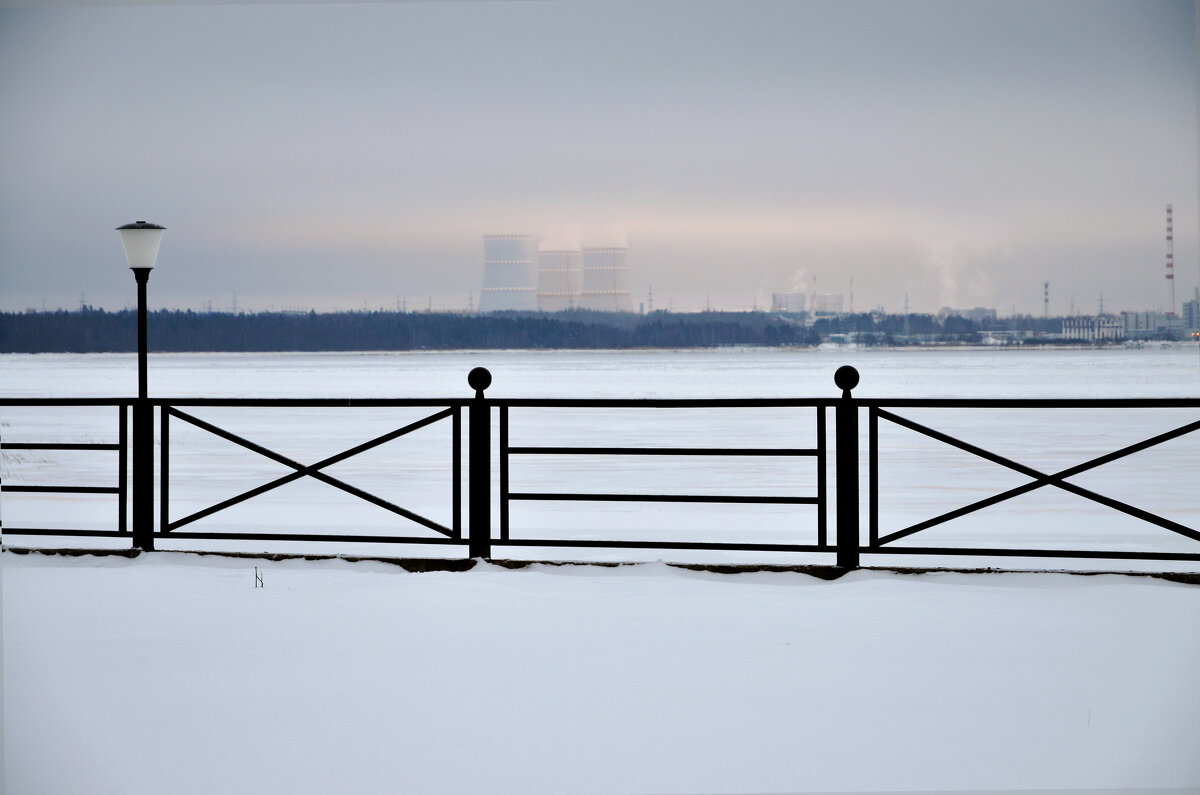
141 240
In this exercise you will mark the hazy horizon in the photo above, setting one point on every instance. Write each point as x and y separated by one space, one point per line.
353 156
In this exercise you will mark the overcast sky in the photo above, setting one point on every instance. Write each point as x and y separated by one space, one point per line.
349 155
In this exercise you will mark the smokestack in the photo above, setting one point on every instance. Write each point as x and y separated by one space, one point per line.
1170 261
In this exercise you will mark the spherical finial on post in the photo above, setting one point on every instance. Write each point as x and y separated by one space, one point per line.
846 378
479 379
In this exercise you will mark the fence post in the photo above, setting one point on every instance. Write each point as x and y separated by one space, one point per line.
479 466
846 378
142 451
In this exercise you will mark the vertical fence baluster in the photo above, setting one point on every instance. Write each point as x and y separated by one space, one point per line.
822 491
846 378
873 475
456 466
123 468
480 466
164 514
504 473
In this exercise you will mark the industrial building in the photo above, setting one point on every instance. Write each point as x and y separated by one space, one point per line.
510 273
1152 325
559 279
827 303
605 283
788 302
1096 328
1191 312
519 277
981 315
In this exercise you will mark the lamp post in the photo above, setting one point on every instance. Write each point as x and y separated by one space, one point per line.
141 241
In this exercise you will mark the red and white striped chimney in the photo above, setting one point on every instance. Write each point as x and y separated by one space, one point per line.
1170 260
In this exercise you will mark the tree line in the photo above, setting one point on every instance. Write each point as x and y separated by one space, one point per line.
90 330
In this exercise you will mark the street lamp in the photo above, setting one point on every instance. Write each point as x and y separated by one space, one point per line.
141 241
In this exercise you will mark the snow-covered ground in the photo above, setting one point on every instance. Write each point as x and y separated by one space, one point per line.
173 673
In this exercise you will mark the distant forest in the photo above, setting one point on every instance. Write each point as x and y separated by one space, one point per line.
91 330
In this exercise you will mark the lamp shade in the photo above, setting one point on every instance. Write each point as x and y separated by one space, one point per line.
141 241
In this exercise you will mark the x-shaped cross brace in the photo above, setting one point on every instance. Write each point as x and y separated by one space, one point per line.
1040 479
311 470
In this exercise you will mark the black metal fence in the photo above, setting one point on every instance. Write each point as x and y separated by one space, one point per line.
488 417
121 446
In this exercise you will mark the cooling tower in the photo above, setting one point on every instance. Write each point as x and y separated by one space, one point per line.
606 280
559 278
788 302
510 273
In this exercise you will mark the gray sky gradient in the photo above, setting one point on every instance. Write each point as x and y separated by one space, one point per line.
349 155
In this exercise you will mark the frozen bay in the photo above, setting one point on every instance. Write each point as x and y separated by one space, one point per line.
1172 371
172 672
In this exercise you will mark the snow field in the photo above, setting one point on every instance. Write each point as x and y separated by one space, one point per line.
173 673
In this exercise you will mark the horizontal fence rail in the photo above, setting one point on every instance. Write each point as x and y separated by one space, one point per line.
489 420
508 451
121 490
